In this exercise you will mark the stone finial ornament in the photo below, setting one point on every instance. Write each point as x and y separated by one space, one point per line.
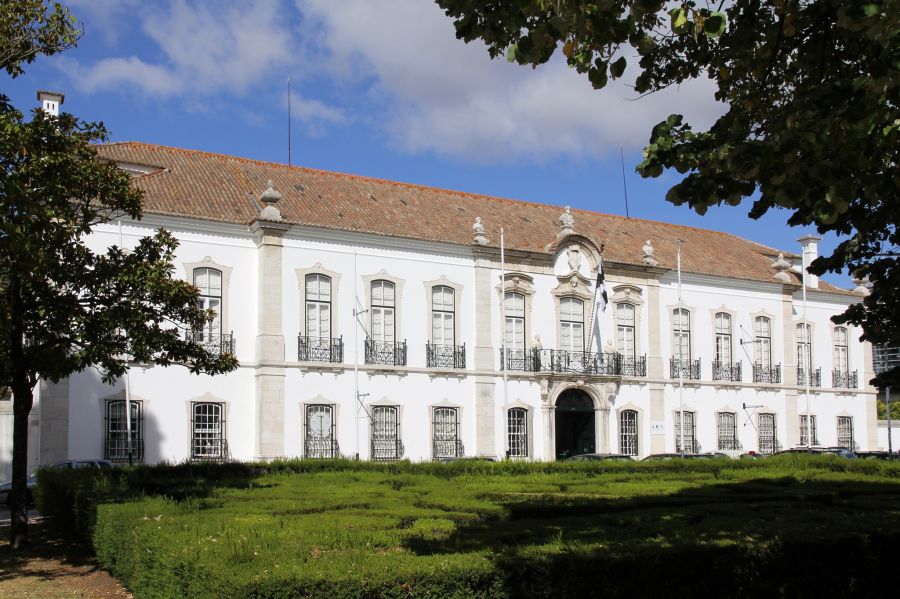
566 222
478 230
863 286
270 197
647 251
780 265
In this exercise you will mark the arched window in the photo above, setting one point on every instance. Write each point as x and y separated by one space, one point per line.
117 445
445 434
690 443
386 443
318 306
845 432
517 429
811 429
320 438
443 315
841 354
625 329
727 431
209 282
768 442
762 349
208 431
723 338
383 311
681 330
628 432
571 324
514 329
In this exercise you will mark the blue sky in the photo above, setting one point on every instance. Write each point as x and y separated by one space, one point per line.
380 89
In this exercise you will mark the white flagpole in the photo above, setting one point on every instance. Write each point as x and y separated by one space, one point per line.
808 357
504 361
127 385
680 348
590 345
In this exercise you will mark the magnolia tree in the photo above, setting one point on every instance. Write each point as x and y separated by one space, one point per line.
812 91
64 307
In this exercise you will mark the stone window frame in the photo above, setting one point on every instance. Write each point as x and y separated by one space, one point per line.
529 428
318 269
837 429
735 431
573 286
320 400
676 428
638 425
734 325
772 338
834 330
628 294
457 304
208 262
459 423
385 402
812 345
189 408
814 429
120 396
382 275
523 284
692 330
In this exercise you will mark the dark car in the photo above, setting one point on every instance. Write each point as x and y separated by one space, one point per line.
876 455
658 457
600 457
5 488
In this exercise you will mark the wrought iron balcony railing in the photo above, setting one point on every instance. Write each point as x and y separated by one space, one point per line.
688 369
320 349
690 446
814 381
844 379
726 371
388 353
387 449
214 344
574 362
633 365
729 444
321 446
443 449
445 356
766 373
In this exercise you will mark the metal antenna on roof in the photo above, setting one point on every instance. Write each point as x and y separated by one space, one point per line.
289 120
624 187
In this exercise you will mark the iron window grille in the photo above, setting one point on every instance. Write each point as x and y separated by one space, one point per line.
385 352
445 356
768 442
116 446
688 369
445 434
635 366
813 429
845 432
386 443
727 371
763 373
320 440
628 432
208 440
320 349
843 379
727 432
516 359
517 430
214 344
815 380
691 445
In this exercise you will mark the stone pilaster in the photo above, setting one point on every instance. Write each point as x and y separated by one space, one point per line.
655 369
54 421
485 386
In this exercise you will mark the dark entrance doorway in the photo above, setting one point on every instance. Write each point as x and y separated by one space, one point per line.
574 424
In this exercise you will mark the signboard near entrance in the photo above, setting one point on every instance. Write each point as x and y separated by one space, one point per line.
657 427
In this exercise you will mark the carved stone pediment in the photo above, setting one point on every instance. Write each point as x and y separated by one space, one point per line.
575 284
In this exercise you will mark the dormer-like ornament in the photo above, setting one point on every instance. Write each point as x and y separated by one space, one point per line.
647 251
270 197
566 222
780 265
478 231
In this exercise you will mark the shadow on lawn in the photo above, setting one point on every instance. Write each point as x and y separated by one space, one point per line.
782 537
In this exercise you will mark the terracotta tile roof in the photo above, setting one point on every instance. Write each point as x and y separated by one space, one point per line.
217 187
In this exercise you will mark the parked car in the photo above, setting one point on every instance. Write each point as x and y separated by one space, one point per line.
875 455
656 457
599 457
815 450
5 488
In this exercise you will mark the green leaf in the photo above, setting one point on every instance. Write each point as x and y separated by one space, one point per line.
714 25
679 19
511 53
870 10
617 68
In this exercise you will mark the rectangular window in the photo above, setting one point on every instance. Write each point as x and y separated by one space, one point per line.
517 428
810 429
443 314
318 306
208 431
727 432
625 330
804 357
681 330
690 441
762 348
628 432
116 444
768 444
841 353
514 328
320 441
445 431
723 338
845 432
386 444
383 311
571 324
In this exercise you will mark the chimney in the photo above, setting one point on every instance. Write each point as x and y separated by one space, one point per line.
50 101
810 245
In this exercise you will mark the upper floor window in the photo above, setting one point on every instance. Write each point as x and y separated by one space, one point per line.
209 282
628 432
762 349
443 315
841 355
723 338
681 330
383 311
318 306
625 330
804 355
571 324
514 327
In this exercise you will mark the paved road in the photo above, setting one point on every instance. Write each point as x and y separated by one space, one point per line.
33 516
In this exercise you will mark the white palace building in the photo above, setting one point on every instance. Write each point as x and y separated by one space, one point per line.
366 316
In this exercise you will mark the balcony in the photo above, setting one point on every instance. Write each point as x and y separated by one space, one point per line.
814 381
767 374
572 362
214 344
844 379
726 371
688 369
320 349
445 356
385 353
635 366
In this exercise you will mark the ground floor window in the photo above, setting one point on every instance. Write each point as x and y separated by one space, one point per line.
386 444
811 429
208 431
320 440
690 433
768 444
517 429
116 444
727 432
445 434
628 432
845 432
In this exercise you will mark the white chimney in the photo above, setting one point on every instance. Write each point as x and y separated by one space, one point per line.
50 101
810 245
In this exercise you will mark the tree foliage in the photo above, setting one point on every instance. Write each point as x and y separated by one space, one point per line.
812 96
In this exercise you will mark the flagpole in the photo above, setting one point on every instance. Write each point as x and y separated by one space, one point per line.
680 348
808 357
503 360
128 444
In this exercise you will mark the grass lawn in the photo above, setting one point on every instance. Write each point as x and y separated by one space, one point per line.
793 526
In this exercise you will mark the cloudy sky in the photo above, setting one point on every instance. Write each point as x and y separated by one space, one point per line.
380 88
